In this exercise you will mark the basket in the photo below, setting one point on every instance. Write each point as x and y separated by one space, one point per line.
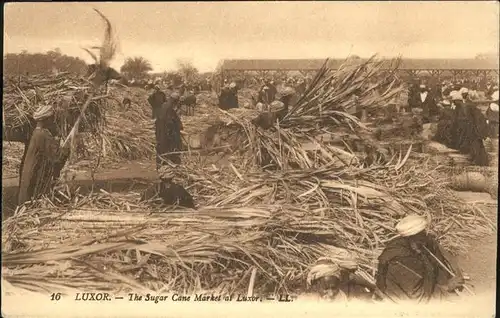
471 181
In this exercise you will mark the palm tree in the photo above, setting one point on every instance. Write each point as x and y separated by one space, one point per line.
136 67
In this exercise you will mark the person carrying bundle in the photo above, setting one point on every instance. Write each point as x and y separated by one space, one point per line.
156 99
415 267
168 131
44 159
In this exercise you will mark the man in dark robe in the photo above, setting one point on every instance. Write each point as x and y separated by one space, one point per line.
272 90
44 160
411 266
232 96
263 96
167 191
425 100
156 100
171 193
444 132
470 129
168 131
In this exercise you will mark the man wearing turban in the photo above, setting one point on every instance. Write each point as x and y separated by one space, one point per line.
411 267
44 160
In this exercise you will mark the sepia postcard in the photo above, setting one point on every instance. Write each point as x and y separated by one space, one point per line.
250 159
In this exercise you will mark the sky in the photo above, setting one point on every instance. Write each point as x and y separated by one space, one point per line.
207 32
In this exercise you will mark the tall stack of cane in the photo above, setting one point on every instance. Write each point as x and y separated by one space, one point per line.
100 75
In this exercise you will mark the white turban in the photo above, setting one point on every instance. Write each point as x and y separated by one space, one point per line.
232 85
464 90
43 112
494 107
411 225
455 95
287 91
323 269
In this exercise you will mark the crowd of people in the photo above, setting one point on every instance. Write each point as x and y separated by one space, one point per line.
456 110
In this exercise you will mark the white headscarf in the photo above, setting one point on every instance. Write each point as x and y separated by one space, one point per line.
494 96
411 225
494 107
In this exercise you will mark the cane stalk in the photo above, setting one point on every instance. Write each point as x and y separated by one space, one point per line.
443 266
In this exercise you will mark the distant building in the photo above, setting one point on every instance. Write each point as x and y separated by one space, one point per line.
454 68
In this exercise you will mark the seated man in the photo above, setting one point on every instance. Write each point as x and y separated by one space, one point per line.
167 191
414 266
336 279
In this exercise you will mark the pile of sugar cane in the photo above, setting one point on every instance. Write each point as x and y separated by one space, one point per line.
275 223
64 91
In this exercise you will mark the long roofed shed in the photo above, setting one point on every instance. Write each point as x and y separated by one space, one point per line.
314 64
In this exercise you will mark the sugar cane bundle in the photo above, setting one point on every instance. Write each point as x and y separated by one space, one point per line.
65 92
326 107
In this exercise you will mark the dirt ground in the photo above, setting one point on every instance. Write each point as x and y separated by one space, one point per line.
480 261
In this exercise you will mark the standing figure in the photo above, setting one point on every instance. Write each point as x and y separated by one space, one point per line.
411 267
168 131
232 96
426 102
156 100
224 97
272 90
492 116
472 129
44 160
